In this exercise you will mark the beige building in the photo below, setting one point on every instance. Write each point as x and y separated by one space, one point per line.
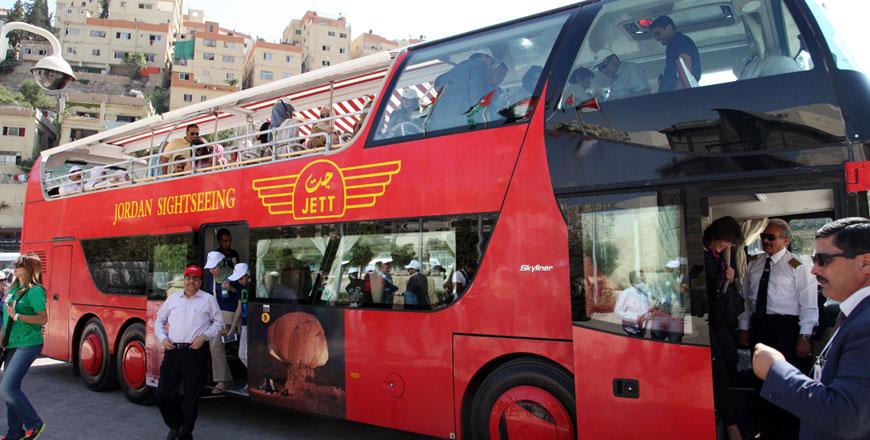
325 41
101 45
267 62
185 92
85 114
31 51
76 11
147 11
370 43
24 132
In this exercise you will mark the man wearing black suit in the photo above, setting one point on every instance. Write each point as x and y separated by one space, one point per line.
835 402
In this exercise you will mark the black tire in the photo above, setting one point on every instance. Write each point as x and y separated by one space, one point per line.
516 373
103 377
136 393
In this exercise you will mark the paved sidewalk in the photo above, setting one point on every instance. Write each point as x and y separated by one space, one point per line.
73 412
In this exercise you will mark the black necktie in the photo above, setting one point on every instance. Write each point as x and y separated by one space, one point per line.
761 298
840 318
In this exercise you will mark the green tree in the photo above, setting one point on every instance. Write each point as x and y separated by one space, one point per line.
104 13
232 82
33 95
158 100
36 13
136 61
16 13
9 98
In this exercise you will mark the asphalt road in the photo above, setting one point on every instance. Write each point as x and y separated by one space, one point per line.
73 412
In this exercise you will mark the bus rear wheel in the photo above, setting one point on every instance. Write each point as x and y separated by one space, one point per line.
95 363
524 398
131 362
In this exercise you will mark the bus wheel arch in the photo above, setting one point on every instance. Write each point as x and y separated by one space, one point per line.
520 393
131 363
94 360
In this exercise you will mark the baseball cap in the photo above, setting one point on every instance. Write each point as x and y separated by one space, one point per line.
193 270
605 57
74 169
213 259
353 270
239 270
414 264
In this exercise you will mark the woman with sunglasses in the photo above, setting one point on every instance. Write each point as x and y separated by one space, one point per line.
23 318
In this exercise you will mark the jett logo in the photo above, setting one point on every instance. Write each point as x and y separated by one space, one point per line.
535 268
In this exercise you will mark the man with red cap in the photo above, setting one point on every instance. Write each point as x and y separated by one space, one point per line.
192 317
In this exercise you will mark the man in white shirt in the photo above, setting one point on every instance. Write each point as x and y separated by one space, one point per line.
633 305
781 310
626 79
75 181
193 316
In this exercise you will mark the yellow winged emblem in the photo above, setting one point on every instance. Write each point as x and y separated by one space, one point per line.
324 190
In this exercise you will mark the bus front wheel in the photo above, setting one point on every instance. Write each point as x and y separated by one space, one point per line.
132 365
524 398
95 363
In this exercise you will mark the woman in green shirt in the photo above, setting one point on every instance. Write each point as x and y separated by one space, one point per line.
24 311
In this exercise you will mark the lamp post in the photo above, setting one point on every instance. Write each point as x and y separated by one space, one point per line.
51 72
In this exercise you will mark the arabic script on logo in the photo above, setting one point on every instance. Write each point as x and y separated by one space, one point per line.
322 190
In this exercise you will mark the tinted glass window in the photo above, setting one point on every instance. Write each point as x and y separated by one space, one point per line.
628 265
119 265
401 264
171 253
485 80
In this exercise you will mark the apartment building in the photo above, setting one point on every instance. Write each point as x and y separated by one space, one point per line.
85 114
185 92
31 51
325 41
148 11
101 45
371 43
267 62
76 11
24 132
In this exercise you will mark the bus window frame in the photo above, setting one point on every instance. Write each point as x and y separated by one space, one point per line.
149 258
371 142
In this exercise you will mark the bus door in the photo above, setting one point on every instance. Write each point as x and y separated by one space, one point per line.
57 297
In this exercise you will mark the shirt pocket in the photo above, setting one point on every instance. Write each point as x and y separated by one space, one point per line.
781 287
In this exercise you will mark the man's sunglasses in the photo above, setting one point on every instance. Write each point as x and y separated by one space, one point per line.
194 134
769 237
822 260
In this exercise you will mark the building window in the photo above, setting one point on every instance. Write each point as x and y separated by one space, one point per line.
70 50
342 35
266 75
98 34
152 38
291 59
149 57
208 56
324 63
203 98
184 75
73 31
120 55
95 52
27 51
229 59
229 45
8 158
231 76
298 32
206 72
209 43
341 50
42 52
123 35
286 75
188 98
123 4
331 33
145 6
13 131
125 118
267 56
325 48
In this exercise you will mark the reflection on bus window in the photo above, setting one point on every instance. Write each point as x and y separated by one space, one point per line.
654 46
287 268
119 265
171 255
477 82
628 265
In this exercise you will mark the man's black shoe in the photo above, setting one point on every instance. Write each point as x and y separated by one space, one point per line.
173 434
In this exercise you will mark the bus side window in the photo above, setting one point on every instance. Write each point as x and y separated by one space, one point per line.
119 265
171 254
482 81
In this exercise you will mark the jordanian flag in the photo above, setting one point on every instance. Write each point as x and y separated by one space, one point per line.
480 107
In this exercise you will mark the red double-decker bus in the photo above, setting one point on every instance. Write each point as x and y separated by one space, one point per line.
557 164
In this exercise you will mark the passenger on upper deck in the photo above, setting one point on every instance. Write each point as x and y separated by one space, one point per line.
324 128
191 133
75 181
579 86
626 79
460 88
208 156
679 48
285 128
408 110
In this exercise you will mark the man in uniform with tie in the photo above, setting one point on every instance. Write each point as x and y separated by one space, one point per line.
835 402
781 310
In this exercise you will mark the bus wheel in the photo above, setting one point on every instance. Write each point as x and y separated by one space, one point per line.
524 398
131 365
95 362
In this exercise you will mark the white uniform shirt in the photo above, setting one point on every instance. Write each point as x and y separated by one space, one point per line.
790 290
458 278
632 303
188 317
71 188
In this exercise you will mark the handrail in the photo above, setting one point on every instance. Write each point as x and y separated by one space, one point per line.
129 172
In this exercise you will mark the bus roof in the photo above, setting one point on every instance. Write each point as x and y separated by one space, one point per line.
232 110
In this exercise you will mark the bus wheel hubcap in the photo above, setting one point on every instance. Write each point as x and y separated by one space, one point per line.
91 354
133 364
528 412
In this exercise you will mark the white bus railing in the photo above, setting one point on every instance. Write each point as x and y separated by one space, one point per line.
246 150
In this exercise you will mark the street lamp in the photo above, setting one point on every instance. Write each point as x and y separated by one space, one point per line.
51 72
